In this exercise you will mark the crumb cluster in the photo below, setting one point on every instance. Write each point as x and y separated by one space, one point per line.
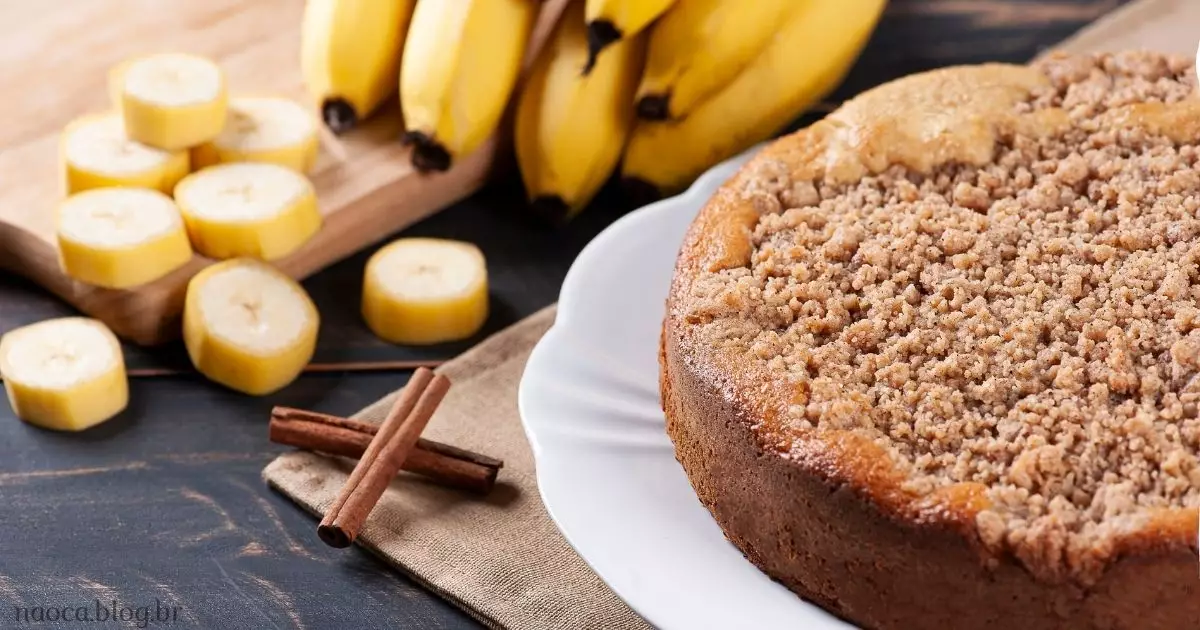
1032 325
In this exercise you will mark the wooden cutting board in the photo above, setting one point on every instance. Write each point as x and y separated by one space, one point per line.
56 58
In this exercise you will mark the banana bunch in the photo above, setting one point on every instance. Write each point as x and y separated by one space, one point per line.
657 90
715 77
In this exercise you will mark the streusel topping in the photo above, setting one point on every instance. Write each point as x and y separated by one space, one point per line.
1032 325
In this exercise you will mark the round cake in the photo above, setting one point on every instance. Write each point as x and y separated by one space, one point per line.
934 361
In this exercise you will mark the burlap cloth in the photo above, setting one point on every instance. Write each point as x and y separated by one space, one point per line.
502 560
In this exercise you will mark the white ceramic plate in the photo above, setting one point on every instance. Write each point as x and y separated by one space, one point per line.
605 466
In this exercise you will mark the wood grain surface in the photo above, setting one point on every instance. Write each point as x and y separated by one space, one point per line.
58 58
166 501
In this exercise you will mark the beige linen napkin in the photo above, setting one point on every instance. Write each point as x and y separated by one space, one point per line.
500 559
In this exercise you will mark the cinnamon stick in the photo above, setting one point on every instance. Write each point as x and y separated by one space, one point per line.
393 443
401 408
334 435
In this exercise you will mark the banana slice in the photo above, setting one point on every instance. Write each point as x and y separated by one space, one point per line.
425 291
171 101
248 327
64 374
262 211
263 129
121 237
96 153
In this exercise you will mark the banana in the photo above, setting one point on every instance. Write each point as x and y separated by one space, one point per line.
96 153
248 327
459 67
263 129
811 52
570 127
701 45
171 101
65 374
256 210
120 237
116 82
350 55
425 291
610 21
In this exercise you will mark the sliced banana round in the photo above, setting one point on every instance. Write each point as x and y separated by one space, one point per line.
64 374
248 326
172 101
263 211
120 237
96 153
425 290
263 129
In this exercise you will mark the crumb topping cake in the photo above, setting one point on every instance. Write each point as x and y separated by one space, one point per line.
936 358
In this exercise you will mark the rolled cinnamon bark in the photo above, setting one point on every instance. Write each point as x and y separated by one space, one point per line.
442 463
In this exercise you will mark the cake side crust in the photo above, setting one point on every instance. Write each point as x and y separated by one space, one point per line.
832 544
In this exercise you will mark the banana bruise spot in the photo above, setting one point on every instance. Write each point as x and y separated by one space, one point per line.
640 191
338 114
428 154
654 107
550 208
600 33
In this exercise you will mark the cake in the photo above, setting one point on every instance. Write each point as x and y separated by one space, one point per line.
934 361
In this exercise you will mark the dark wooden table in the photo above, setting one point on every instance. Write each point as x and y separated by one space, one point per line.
166 504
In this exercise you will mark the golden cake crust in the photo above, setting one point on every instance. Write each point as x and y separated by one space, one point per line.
829 511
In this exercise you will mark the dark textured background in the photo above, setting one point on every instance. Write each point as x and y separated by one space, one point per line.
166 501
